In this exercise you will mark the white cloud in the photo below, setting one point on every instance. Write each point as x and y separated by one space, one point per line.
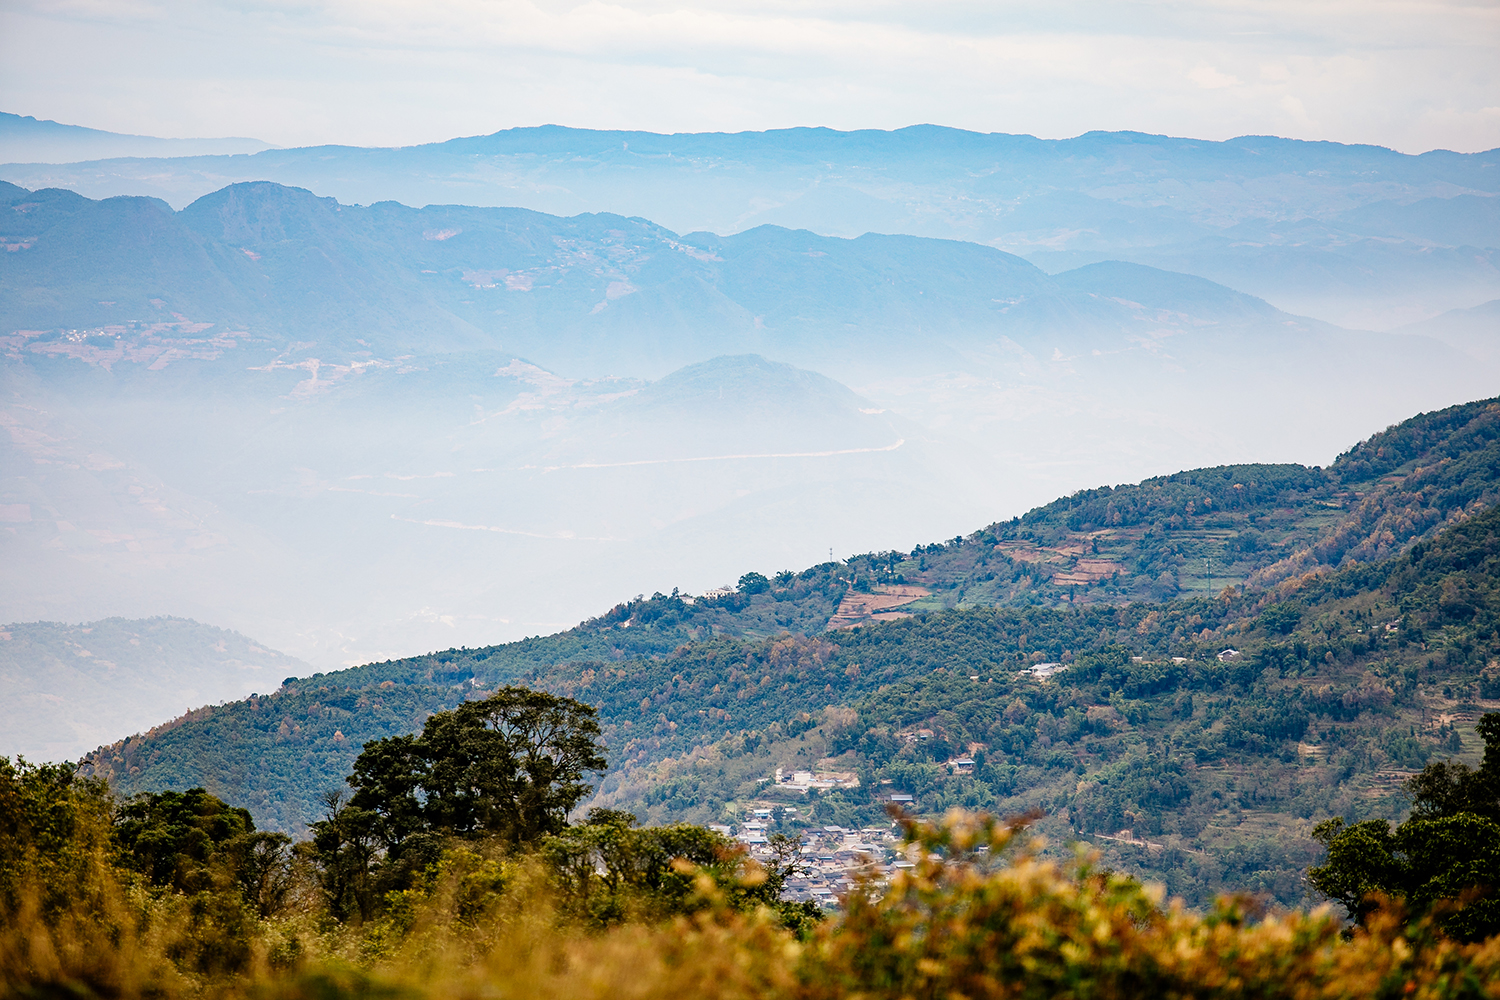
1211 79
1408 74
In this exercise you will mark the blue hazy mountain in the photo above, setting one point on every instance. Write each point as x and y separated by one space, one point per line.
360 431
1359 235
592 294
66 688
24 139
1475 331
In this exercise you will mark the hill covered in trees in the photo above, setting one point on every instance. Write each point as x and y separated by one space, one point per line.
1197 739
1235 525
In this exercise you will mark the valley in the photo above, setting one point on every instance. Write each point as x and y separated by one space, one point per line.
750 501
325 426
1218 725
358 430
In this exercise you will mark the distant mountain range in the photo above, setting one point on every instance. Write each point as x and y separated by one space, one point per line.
327 425
594 294
1358 235
24 139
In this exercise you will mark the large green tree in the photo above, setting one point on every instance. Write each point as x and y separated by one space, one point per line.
173 838
1447 852
511 765
195 842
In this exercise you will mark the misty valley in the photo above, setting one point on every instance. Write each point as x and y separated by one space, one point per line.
739 601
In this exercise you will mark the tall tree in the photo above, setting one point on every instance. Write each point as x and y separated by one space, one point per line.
346 849
178 839
1447 851
510 765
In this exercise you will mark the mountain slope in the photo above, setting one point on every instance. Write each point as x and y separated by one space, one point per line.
1200 769
1204 530
701 701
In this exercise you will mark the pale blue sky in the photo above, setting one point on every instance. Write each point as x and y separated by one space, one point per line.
1415 75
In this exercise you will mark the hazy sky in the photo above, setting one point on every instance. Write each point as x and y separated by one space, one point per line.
1411 74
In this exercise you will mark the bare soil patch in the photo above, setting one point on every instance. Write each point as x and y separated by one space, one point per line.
879 606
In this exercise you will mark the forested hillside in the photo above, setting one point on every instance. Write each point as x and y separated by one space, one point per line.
1201 735
1200 531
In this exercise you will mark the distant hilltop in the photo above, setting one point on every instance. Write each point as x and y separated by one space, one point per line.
1359 236
24 139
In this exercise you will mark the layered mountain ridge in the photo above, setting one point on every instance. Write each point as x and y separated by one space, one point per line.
1358 235
593 295
325 425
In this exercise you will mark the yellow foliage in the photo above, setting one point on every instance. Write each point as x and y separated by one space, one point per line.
982 915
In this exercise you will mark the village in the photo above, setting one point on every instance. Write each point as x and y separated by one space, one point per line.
831 858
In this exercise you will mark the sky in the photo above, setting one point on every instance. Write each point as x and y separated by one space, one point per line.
1410 74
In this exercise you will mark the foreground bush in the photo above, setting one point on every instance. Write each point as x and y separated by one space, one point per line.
981 915
958 927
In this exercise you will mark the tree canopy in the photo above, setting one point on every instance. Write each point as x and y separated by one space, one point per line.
510 765
1447 853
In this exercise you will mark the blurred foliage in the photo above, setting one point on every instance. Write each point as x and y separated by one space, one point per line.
981 914
54 828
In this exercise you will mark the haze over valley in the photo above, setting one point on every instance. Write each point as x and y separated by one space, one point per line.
357 432
749 501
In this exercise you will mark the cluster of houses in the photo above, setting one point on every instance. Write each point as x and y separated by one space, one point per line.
754 830
803 780
832 857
